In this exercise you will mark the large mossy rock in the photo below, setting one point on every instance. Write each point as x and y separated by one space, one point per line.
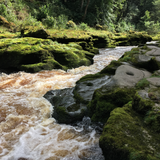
147 57
116 93
35 54
107 99
147 103
131 38
126 137
132 132
89 40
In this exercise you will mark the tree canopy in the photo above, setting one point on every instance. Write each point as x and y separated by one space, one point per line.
116 15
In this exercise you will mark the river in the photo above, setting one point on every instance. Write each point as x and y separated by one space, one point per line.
27 130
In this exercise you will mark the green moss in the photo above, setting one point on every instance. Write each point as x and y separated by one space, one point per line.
68 115
135 49
74 45
35 54
131 38
142 84
61 114
152 119
125 137
104 102
145 47
111 68
78 98
48 64
90 77
142 105
103 110
129 56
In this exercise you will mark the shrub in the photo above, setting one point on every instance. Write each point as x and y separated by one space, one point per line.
49 21
99 27
70 24
152 27
83 26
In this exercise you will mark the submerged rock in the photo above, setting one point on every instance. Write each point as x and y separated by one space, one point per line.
84 90
66 110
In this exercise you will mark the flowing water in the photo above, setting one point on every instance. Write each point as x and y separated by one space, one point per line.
27 131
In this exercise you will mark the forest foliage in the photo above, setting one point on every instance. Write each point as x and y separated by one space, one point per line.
113 15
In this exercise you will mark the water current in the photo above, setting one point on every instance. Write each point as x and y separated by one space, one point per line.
27 130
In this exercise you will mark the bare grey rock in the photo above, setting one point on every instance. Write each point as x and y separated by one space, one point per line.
154 81
155 51
128 76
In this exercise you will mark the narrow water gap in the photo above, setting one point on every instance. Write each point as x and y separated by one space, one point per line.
27 131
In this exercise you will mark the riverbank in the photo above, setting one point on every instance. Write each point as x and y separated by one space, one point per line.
32 49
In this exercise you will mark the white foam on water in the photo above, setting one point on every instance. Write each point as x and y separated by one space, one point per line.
52 141
27 131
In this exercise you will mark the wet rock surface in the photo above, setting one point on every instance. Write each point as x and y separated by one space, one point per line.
66 110
70 104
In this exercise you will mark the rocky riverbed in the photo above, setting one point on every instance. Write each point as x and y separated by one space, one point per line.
125 97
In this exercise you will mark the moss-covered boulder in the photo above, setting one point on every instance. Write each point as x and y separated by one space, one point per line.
132 131
35 54
35 32
106 99
126 137
66 110
147 57
147 103
131 38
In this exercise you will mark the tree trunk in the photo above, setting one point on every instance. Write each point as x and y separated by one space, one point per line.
85 13
82 5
